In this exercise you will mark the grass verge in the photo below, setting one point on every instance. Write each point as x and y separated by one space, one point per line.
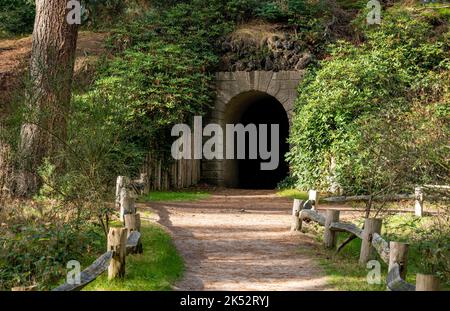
345 273
161 196
156 269
293 194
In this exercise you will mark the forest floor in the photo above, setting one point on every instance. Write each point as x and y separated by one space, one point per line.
241 240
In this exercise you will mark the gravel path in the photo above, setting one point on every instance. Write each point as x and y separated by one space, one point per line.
240 240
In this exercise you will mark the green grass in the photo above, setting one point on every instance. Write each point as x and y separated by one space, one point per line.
156 269
162 196
343 269
293 194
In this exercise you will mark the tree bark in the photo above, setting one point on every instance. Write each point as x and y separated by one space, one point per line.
48 95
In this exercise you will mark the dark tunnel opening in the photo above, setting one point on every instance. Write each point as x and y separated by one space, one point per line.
259 108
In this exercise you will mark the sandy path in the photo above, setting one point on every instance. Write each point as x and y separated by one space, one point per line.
238 241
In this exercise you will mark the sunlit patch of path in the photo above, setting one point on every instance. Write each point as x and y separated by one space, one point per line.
240 240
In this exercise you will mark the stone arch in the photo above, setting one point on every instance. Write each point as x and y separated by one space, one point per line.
235 90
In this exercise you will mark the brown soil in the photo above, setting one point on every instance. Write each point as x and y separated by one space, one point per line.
15 55
240 240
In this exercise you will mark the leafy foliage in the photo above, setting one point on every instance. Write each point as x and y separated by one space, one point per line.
36 245
357 120
16 16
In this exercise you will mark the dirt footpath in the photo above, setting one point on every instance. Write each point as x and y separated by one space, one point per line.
240 240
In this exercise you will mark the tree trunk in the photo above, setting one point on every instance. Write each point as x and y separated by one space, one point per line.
6 170
48 95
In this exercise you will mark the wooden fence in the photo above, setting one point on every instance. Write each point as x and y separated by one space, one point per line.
180 174
420 193
394 254
121 241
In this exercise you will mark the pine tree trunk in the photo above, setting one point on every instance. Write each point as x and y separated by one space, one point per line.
48 97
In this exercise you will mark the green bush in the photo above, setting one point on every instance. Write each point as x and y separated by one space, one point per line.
290 10
162 70
36 251
360 108
17 16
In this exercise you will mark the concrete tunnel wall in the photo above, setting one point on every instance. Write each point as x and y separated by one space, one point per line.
236 91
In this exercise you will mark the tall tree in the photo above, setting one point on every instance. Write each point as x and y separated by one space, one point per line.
48 97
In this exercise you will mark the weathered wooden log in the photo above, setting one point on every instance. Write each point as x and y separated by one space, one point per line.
308 205
346 227
358 198
310 215
313 196
127 204
425 282
296 221
418 204
132 222
329 236
395 281
398 254
31 288
371 226
381 246
117 240
133 243
88 275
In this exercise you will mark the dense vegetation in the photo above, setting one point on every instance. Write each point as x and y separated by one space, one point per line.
158 72
16 17
372 117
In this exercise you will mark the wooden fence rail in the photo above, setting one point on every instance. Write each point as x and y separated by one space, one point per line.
121 241
419 195
394 254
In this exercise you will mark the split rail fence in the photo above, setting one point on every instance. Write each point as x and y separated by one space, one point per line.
121 241
420 193
394 254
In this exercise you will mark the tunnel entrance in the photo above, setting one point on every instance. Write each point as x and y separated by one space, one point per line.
257 108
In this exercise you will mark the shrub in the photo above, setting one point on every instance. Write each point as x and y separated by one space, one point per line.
36 243
17 16
356 110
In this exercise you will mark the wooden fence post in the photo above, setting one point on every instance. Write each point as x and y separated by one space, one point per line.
117 241
119 185
418 192
296 221
399 254
371 226
127 205
329 237
132 222
425 282
313 195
